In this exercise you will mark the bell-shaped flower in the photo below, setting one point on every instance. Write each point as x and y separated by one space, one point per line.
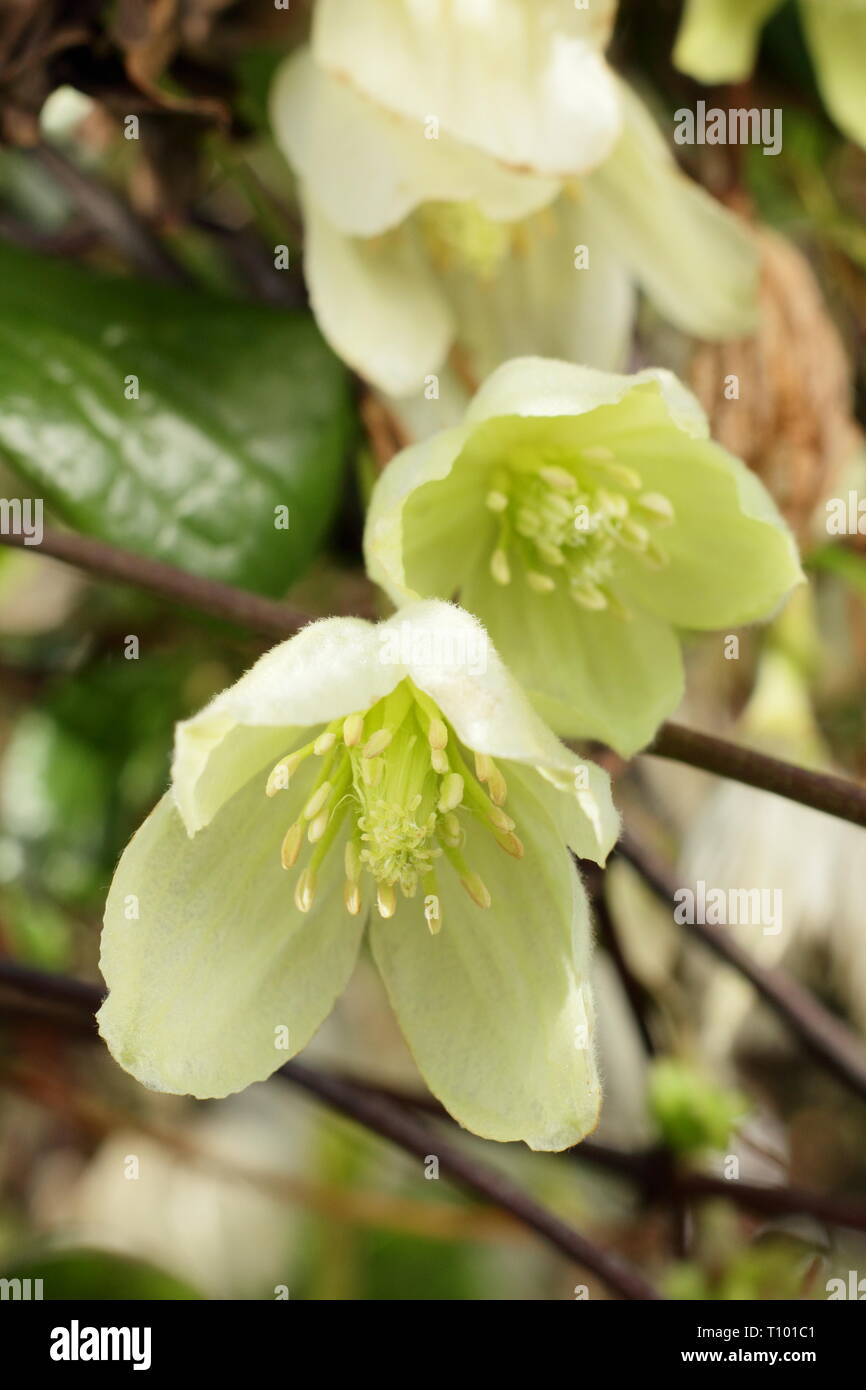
583 517
718 42
473 176
388 776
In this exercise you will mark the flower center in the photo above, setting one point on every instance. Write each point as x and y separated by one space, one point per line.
461 236
565 521
399 775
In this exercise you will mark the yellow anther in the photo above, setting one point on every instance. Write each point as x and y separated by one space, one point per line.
657 505
433 913
439 761
317 801
325 742
386 899
484 766
497 787
541 583
500 568
352 861
499 819
450 831
318 826
305 890
377 743
598 453
352 897
551 553
496 501
558 478
291 846
281 775
476 888
451 792
437 734
353 730
589 596
512 845
372 770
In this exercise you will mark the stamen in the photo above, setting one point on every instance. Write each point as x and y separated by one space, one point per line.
496 501
305 890
386 899
658 505
281 775
451 793
377 743
439 761
541 583
318 826
512 844
558 478
325 742
353 730
437 734
499 567
317 801
352 898
291 846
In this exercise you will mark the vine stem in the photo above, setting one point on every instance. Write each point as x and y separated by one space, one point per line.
375 1111
834 1045
834 795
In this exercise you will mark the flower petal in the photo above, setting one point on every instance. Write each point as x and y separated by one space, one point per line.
367 169
589 675
496 1008
836 30
218 960
539 387
730 557
377 302
523 80
425 519
718 39
695 261
327 670
448 654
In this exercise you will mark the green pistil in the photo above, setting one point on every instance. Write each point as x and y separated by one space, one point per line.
566 523
397 773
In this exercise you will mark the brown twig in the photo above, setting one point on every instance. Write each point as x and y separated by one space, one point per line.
820 1033
820 790
384 1116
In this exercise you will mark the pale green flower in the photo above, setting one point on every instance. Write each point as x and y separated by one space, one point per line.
583 517
391 775
718 42
474 175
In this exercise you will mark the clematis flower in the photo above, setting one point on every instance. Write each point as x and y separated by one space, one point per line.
583 517
389 777
473 176
718 42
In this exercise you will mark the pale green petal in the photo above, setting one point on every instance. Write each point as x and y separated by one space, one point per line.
377 302
590 675
695 261
496 1008
367 169
731 558
582 809
836 30
218 960
448 654
523 80
718 39
541 302
329 669
542 388
425 520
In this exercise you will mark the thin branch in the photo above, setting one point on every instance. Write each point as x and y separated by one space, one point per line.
822 791
387 1118
167 581
835 795
817 1029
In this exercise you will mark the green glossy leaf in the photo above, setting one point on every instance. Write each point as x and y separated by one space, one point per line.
241 410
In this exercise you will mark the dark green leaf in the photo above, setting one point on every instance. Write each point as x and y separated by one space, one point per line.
242 410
